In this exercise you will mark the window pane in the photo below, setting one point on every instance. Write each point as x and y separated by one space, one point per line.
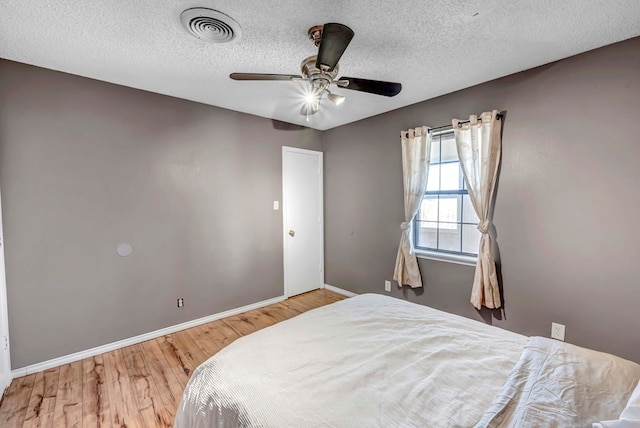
438 225
468 213
470 239
449 212
429 211
449 151
435 151
450 176
427 236
449 239
433 182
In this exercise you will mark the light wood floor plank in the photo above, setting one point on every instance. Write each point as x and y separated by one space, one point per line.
292 307
140 385
32 415
274 313
307 301
150 406
47 408
124 410
284 309
248 322
200 338
193 354
175 359
168 386
95 395
68 407
40 411
16 401
219 334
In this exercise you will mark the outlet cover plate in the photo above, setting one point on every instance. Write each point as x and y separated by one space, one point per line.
387 286
557 331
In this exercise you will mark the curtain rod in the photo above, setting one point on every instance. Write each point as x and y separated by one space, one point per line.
439 128
462 122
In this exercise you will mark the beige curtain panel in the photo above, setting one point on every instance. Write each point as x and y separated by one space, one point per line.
479 146
416 148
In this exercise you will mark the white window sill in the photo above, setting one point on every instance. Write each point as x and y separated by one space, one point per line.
446 257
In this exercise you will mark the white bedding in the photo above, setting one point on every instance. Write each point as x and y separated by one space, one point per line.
376 361
561 385
367 361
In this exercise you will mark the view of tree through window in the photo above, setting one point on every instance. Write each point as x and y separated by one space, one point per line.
446 221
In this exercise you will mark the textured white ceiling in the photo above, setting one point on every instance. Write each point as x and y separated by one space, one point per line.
431 47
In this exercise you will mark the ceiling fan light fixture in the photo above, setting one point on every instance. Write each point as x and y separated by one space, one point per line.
312 98
336 98
308 109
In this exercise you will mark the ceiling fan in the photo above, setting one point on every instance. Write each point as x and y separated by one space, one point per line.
321 70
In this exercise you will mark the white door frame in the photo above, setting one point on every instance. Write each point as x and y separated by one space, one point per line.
285 231
5 369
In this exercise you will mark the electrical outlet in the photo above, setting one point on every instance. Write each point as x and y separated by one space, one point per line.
387 286
180 302
557 331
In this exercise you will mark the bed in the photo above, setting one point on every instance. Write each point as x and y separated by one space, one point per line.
377 361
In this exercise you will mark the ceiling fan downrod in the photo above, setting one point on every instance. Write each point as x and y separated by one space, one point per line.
315 34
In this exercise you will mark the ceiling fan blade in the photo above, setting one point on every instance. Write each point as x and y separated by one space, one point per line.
335 39
378 87
258 76
309 108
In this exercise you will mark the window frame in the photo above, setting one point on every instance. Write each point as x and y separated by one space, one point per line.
435 254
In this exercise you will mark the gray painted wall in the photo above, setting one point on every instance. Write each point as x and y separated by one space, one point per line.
567 206
86 165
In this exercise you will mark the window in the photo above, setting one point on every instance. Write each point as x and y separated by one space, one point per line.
446 223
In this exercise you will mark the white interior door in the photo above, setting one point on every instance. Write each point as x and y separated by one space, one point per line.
303 221
5 362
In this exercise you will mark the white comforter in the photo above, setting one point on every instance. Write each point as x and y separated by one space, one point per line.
556 384
367 361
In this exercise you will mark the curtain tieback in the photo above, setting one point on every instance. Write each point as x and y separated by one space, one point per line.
405 225
483 227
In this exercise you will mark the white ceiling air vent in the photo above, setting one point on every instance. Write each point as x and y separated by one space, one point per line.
210 25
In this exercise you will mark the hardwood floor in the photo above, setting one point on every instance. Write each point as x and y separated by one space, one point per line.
140 385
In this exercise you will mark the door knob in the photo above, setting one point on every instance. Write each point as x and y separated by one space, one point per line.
292 233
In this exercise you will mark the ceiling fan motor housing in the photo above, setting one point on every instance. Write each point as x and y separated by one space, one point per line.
321 79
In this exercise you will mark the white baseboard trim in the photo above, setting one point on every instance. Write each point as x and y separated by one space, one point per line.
66 359
340 290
